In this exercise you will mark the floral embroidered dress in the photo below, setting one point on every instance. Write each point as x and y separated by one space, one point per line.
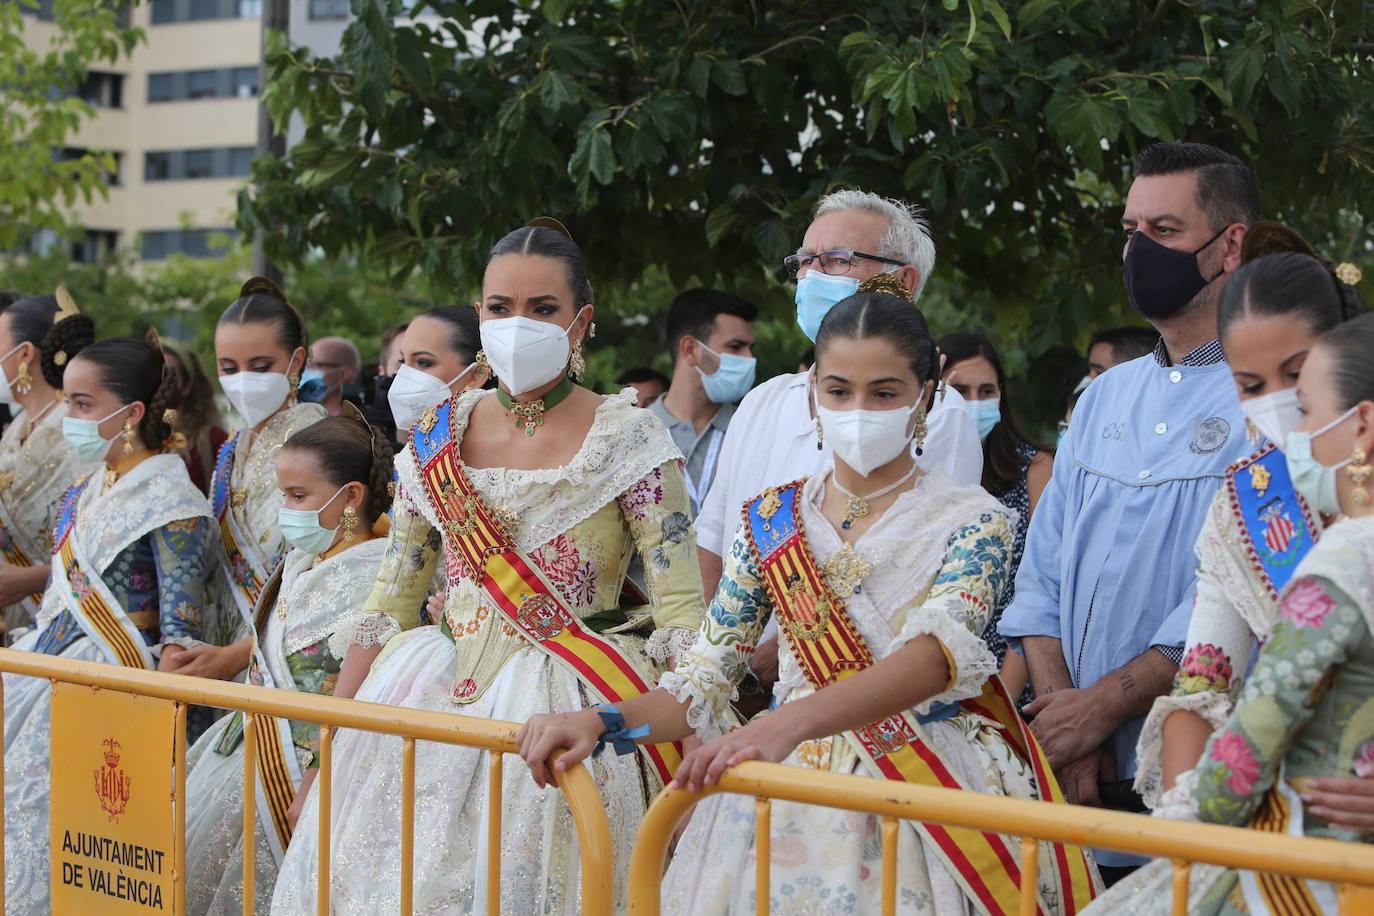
36 468
1307 710
1237 600
253 500
315 600
623 493
933 565
147 538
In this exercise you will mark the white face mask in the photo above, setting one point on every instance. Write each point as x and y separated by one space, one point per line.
256 395
525 353
1275 415
866 439
412 392
6 393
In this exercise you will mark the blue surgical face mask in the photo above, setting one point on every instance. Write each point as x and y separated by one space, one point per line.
302 529
986 414
817 294
732 380
1314 481
84 436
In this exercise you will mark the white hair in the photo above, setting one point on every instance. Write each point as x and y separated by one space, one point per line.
908 234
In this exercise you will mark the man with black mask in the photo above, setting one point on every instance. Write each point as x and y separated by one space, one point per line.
1106 585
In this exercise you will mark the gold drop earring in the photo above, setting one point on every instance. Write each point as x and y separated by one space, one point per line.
127 434
23 382
1252 434
349 523
577 366
921 430
1359 470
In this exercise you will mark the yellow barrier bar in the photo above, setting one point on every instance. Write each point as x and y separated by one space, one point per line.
326 781
763 853
250 811
578 786
890 825
1030 870
1230 847
408 827
494 784
179 807
1181 870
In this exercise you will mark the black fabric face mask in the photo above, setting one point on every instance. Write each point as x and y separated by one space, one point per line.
1161 281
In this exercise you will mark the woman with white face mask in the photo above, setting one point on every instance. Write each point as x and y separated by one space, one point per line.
438 360
1299 729
1259 526
129 559
334 479
36 464
881 602
260 352
532 499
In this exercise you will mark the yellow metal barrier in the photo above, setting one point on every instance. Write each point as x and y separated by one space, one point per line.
1349 865
588 813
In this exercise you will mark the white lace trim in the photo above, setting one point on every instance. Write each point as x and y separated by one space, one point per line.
364 631
623 445
157 492
1177 804
1213 705
702 717
667 644
972 660
1222 560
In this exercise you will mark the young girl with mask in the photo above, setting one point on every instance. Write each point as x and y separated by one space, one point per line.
260 349
334 478
1302 716
1015 470
891 583
438 360
128 573
38 336
1271 314
534 498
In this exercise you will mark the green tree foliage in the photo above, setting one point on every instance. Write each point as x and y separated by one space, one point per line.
39 114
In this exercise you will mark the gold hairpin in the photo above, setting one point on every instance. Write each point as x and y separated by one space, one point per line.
66 306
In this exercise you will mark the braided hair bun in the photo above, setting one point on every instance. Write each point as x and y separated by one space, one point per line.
55 328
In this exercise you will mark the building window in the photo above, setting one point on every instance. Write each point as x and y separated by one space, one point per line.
329 9
102 90
94 245
196 243
170 11
223 83
215 162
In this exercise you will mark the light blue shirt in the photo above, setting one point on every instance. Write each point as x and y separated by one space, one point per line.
1109 567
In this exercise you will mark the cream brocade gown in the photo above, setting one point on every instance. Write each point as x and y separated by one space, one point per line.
254 502
622 493
317 599
36 468
933 565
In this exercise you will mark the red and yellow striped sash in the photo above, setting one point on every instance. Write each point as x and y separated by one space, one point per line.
1285 895
102 617
526 600
15 556
242 575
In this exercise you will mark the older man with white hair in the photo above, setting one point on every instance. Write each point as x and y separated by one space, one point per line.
337 362
772 438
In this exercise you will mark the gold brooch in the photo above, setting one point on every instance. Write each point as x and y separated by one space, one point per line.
846 570
428 419
1259 478
769 506
238 496
111 475
1349 273
6 481
508 518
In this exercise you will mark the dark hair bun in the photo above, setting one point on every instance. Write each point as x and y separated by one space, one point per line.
261 285
62 343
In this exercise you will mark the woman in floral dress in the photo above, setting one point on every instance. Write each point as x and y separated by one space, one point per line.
1305 711
338 472
908 570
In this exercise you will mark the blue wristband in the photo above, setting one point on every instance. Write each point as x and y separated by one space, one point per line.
616 734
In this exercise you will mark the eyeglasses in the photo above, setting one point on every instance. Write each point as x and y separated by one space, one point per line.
838 261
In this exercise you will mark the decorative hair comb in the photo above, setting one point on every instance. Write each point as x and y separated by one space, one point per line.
548 222
1269 237
886 283
261 285
154 339
66 305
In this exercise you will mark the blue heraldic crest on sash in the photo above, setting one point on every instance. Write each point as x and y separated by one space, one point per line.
431 433
772 518
219 499
1276 522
